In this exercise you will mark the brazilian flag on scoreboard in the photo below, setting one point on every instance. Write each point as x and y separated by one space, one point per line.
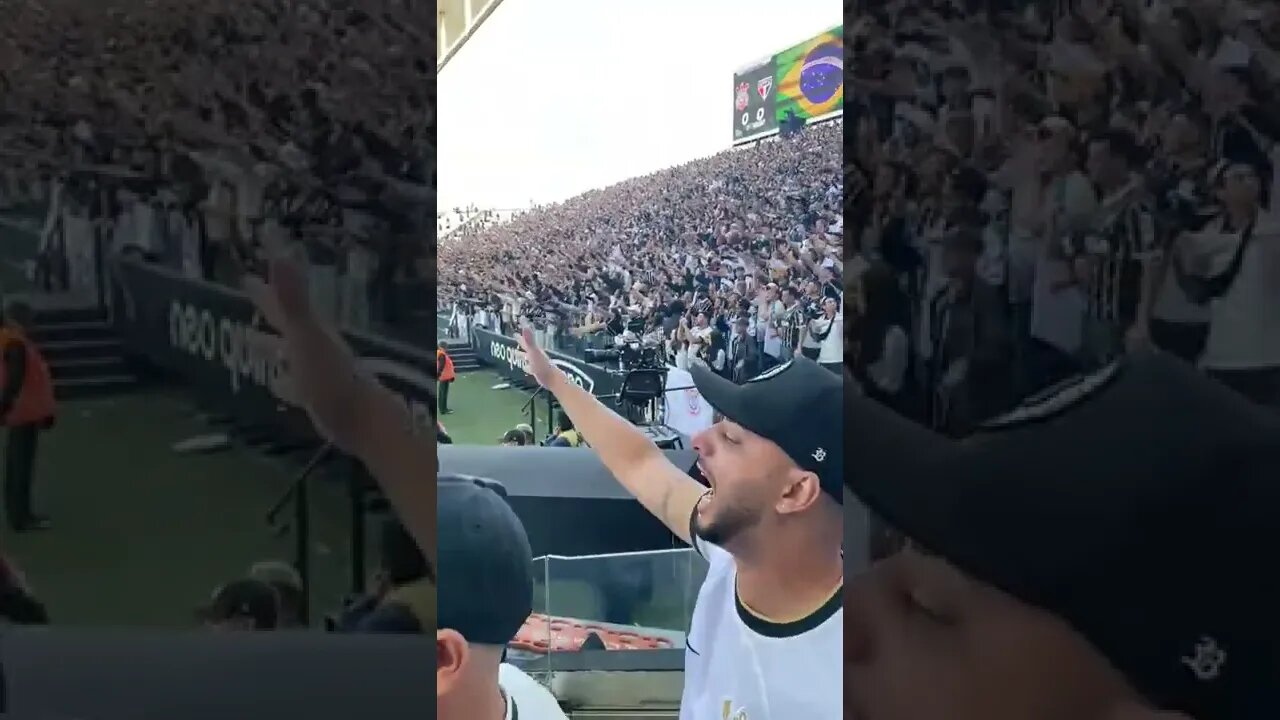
811 77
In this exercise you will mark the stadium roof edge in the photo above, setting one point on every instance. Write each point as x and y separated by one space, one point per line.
467 33
766 58
753 64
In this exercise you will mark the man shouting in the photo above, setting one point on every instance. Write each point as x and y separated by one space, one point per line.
766 637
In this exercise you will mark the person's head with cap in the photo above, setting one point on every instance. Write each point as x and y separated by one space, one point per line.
1099 552
244 604
830 306
1238 180
527 430
513 438
774 461
484 553
287 582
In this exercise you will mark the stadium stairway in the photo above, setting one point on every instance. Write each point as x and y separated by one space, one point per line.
464 357
84 353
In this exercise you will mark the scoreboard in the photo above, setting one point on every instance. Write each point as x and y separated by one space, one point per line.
754 101
805 82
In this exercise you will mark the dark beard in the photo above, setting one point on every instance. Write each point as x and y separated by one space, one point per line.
731 523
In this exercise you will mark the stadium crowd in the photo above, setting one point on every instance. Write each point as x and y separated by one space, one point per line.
191 132
205 136
1038 188
735 260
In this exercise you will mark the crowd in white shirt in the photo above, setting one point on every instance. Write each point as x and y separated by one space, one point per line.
684 257
192 135
1039 190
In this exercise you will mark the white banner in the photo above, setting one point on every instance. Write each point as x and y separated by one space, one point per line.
686 412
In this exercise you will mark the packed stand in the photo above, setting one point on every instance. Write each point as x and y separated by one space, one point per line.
735 261
194 133
206 137
1036 189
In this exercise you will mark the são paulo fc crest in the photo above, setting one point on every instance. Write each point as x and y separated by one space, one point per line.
764 86
742 96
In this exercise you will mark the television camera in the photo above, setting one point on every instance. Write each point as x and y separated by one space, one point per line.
632 350
629 354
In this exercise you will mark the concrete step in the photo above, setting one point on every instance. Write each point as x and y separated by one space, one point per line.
464 357
58 313
87 367
72 331
96 386
106 347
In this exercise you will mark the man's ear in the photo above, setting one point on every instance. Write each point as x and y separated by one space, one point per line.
452 655
803 490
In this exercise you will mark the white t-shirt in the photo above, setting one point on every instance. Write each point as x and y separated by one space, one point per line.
526 698
832 346
890 371
742 667
686 411
1244 324
1057 314
1173 305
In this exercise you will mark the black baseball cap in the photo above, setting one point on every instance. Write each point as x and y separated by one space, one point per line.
246 599
796 406
485 562
1138 504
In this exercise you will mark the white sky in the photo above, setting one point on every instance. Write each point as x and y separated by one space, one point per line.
551 98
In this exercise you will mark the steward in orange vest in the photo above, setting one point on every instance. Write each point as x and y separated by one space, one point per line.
27 406
445 375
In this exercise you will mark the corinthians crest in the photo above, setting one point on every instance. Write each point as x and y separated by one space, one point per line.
694 399
742 96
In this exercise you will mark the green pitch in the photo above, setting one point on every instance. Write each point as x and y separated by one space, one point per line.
481 414
141 535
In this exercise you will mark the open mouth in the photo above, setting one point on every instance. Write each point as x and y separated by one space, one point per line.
711 490
704 501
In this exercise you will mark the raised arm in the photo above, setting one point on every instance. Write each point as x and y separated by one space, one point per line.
350 408
662 488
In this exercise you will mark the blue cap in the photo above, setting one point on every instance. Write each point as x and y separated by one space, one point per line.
485 591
